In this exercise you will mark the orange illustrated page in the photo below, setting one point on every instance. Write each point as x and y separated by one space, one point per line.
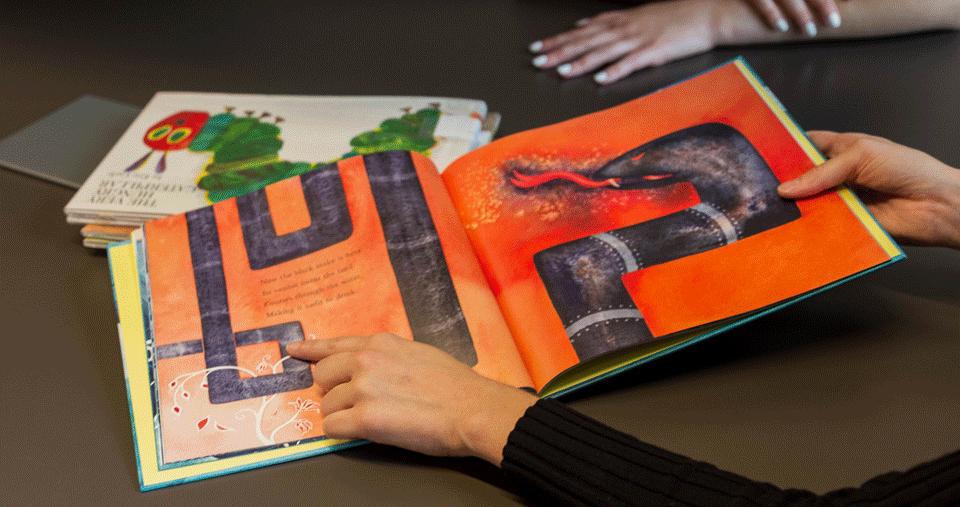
370 245
616 228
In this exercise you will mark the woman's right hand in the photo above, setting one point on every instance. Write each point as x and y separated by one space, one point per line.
914 196
395 391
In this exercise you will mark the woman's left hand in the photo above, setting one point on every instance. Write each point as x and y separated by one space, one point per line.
393 391
805 14
644 36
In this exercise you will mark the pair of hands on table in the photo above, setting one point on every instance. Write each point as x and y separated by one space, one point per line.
660 32
393 391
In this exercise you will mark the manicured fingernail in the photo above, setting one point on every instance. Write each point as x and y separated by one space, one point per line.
834 20
810 29
536 46
565 69
782 25
581 22
540 61
600 77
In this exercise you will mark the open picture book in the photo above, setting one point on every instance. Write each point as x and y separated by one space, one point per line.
546 260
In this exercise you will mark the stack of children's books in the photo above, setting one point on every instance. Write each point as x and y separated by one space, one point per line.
188 150
546 260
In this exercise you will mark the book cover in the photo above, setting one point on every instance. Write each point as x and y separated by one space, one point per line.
66 145
187 150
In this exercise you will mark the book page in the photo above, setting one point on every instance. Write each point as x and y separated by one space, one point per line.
610 231
371 244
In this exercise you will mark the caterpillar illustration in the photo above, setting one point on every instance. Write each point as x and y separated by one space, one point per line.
245 148
738 198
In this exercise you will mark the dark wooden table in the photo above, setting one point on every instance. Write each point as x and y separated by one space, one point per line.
826 394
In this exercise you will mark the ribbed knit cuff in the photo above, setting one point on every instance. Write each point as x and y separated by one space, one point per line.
567 458
572 459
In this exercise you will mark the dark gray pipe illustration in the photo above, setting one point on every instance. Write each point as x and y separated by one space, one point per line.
738 199
429 298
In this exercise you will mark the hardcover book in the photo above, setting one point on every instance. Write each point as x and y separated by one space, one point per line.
188 150
546 260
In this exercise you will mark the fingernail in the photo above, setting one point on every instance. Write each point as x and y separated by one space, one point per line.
782 25
581 22
540 61
295 346
810 28
536 46
787 187
565 69
600 77
834 20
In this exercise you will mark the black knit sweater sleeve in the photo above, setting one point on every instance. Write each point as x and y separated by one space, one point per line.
564 457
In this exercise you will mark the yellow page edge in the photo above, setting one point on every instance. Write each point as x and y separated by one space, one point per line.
126 285
853 202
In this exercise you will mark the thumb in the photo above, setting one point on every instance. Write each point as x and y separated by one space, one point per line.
831 173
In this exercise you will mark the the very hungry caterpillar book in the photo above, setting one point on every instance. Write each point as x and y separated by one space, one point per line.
186 150
548 259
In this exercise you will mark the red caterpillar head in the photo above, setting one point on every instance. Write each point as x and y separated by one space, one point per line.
174 132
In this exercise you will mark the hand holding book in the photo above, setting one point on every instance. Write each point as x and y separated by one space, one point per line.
914 196
393 391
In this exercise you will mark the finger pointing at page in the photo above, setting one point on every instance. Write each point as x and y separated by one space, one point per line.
315 350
